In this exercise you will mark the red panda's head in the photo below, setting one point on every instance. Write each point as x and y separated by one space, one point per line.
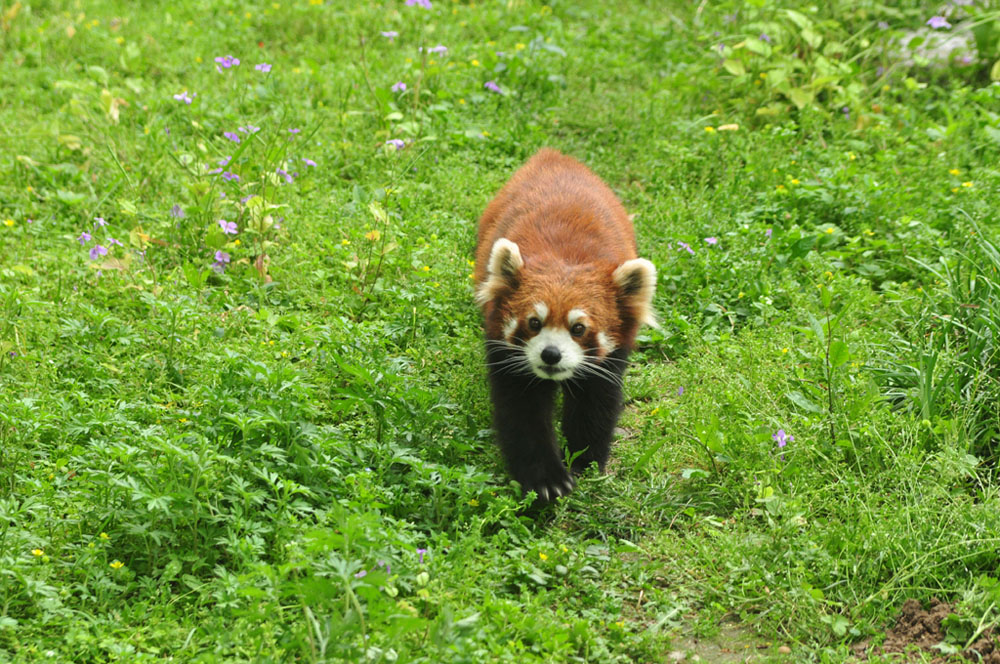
564 319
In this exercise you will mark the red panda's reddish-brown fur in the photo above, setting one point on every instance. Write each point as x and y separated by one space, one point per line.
561 216
563 294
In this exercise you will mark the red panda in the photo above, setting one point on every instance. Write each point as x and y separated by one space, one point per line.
563 293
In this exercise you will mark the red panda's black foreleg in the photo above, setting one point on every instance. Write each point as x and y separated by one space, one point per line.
591 405
522 415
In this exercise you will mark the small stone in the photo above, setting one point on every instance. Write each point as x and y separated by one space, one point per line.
677 656
784 650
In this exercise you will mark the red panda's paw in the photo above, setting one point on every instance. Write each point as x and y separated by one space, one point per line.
548 483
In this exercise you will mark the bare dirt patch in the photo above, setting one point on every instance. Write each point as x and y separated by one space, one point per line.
919 630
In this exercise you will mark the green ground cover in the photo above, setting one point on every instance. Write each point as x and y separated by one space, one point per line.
243 412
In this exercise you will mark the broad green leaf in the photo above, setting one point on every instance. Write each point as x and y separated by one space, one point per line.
734 67
839 353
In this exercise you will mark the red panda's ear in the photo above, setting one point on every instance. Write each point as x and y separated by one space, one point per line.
637 280
502 270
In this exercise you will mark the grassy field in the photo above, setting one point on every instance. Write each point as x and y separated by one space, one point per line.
243 407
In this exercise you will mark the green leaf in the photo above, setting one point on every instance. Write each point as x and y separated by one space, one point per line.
800 97
734 66
803 402
801 247
839 353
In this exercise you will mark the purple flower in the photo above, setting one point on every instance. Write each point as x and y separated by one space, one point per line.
99 222
283 173
112 242
249 129
264 67
398 87
221 261
686 247
398 142
228 227
97 251
231 135
294 131
421 552
388 568
491 85
224 161
938 22
184 97
782 439
883 25
765 38
309 162
177 212
362 574
226 61
436 49
847 112
680 390
390 34
84 238
229 176
712 240
426 4
768 233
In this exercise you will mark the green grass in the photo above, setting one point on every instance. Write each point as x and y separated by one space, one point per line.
245 464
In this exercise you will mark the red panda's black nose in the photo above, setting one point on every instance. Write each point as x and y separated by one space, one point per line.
551 355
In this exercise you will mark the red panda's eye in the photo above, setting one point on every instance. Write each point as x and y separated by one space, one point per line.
578 330
534 324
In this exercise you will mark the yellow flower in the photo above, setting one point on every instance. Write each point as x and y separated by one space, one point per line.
828 274
373 236
519 46
780 187
236 242
851 156
655 411
471 262
954 190
795 181
197 59
30 189
967 184
473 502
9 223
740 295
104 536
183 420
117 564
486 133
784 350
869 233
38 553
345 242
829 231
475 63
426 268
270 342
955 171
315 2
763 74
542 556
564 549
709 130
248 15
461 101
119 40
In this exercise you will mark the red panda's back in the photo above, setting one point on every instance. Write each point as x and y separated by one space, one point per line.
554 206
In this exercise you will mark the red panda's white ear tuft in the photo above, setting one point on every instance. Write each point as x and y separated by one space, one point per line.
502 270
637 280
